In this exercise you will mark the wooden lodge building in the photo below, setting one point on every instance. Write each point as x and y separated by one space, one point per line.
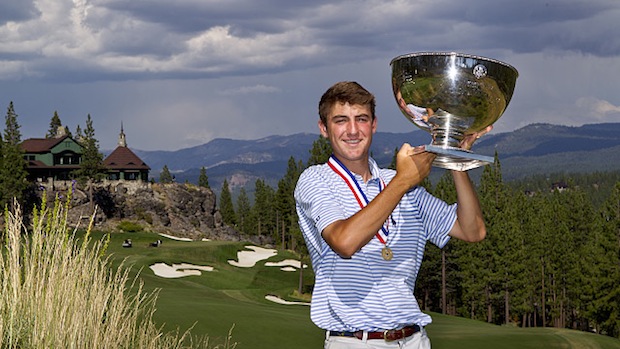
124 164
57 157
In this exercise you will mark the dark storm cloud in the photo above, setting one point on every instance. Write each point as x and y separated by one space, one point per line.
17 11
219 64
245 17
208 39
589 27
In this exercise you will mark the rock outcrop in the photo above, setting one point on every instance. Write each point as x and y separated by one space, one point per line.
180 210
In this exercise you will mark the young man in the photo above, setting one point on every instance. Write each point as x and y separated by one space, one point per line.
366 228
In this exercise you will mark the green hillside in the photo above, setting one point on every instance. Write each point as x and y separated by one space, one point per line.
232 296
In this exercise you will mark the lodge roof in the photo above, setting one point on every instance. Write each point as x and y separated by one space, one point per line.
122 158
41 145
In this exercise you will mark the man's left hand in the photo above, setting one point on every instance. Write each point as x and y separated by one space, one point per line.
469 140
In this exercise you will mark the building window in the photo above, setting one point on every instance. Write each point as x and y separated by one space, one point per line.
67 158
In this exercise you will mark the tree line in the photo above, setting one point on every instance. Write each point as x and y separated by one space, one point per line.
551 257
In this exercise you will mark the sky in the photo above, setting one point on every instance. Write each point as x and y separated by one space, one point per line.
177 74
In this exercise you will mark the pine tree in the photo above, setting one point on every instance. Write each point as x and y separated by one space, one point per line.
320 152
55 123
243 211
226 205
393 163
91 168
604 309
584 230
203 180
432 275
78 134
12 135
498 247
285 203
519 211
263 212
446 191
165 177
13 167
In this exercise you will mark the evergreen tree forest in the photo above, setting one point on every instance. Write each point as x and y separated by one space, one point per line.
551 257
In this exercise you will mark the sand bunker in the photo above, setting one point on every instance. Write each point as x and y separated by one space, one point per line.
174 237
287 265
248 259
180 239
178 270
282 301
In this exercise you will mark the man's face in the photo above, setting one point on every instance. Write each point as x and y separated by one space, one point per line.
349 129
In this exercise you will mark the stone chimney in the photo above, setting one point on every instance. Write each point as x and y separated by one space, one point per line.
61 131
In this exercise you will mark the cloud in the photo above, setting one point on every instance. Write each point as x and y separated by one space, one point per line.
179 73
116 39
596 107
17 10
250 90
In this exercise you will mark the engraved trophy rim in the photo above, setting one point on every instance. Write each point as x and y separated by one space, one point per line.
454 53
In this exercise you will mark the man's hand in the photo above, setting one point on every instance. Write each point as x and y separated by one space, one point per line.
413 164
469 140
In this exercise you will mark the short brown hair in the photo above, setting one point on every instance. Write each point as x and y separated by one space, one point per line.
345 92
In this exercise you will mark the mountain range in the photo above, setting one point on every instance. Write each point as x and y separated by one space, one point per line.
533 149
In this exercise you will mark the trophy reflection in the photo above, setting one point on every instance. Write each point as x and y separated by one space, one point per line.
452 95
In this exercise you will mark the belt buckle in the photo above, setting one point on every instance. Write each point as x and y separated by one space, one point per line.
390 335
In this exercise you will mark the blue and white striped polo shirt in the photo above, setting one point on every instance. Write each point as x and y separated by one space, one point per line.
367 292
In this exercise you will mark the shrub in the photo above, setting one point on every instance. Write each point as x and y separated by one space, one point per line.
129 227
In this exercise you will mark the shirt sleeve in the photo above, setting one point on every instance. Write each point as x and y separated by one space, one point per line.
317 207
438 216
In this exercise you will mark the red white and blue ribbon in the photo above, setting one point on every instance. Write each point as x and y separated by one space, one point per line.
355 188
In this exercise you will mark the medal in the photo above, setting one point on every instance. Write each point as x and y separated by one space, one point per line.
386 253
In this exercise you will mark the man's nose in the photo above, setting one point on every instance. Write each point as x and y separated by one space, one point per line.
352 127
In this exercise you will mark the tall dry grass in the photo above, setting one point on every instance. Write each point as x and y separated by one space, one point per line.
59 292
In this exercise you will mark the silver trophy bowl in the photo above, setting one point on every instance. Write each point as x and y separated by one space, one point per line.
452 95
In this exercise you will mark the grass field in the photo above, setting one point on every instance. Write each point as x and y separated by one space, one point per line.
229 296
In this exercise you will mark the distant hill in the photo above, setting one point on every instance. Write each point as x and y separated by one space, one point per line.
545 148
533 149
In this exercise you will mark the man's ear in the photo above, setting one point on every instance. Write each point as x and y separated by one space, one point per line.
322 129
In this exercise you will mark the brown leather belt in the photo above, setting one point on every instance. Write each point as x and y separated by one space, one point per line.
387 335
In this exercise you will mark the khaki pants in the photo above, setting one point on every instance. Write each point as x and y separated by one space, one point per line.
417 341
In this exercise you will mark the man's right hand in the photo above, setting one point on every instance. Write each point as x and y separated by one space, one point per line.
413 164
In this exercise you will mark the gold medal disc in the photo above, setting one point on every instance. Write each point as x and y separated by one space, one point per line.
386 253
